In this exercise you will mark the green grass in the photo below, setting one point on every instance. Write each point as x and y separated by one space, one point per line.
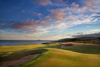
89 49
65 58
20 54
18 51
76 56
19 47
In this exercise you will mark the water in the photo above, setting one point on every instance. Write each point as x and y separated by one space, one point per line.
21 42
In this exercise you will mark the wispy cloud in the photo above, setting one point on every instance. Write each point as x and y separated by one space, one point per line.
75 6
88 35
42 2
96 30
2 31
88 4
58 14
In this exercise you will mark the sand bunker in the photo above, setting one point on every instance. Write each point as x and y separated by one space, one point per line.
13 63
66 45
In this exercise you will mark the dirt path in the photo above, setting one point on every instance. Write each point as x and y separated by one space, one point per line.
14 63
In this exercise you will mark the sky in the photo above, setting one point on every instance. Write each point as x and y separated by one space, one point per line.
48 19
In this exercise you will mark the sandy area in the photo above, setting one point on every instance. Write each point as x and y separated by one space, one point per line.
13 63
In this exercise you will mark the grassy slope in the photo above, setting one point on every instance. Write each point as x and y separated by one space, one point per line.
66 58
82 57
18 51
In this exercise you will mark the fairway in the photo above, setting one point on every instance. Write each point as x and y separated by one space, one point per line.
66 58
75 56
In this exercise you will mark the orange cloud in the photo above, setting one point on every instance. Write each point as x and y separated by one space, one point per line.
37 21
58 14
70 8
49 19
47 16
84 8
88 4
74 16
75 5
24 24
93 7
91 0
44 2
44 22
39 14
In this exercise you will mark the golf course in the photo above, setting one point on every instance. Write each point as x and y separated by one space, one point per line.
51 55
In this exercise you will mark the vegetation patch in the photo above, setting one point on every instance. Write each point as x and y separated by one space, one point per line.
20 54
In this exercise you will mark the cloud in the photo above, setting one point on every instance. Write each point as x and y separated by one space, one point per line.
88 4
48 20
2 31
37 21
41 30
42 2
17 25
88 26
91 0
23 24
96 19
93 7
60 2
95 30
75 5
84 8
39 14
88 35
47 17
44 22
58 14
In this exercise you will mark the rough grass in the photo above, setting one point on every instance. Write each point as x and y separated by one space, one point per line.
19 47
18 51
20 54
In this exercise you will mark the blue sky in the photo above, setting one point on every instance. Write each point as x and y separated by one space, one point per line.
48 19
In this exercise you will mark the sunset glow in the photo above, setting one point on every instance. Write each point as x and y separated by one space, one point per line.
48 19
